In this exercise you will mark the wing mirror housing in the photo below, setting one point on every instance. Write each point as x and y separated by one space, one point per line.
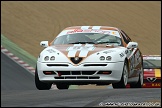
132 45
44 44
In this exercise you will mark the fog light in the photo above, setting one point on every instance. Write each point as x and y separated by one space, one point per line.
52 58
102 58
108 58
46 58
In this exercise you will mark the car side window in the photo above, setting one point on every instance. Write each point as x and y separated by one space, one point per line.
126 35
125 38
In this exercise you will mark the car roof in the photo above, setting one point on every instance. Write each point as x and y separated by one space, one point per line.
73 29
93 27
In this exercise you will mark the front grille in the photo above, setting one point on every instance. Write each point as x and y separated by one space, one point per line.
64 72
82 77
77 77
59 77
70 77
58 65
76 72
88 72
95 65
95 77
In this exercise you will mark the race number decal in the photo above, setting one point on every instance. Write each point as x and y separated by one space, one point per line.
78 47
121 55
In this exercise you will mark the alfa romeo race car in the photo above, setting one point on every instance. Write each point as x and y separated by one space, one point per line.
82 55
152 71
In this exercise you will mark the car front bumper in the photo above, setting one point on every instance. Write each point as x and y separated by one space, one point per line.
89 73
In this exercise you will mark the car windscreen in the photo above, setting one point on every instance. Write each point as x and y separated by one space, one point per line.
91 38
152 64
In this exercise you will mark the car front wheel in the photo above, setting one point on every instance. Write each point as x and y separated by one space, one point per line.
139 84
124 79
41 85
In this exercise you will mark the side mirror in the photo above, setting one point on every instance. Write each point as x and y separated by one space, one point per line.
132 45
44 44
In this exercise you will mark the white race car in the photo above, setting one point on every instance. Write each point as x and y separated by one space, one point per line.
82 55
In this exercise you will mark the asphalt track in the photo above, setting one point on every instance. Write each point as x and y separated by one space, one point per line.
18 90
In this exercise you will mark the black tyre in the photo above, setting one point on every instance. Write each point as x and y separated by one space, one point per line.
139 84
62 86
124 79
41 85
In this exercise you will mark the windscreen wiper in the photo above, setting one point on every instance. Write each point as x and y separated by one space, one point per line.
82 43
106 42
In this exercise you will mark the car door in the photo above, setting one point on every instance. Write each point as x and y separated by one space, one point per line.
134 57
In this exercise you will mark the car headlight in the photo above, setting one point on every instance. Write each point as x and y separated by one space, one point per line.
102 58
52 58
46 58
108 58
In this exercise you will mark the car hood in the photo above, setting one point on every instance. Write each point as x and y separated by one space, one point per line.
83 53
84 50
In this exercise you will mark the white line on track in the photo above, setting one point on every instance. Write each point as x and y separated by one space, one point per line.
17 59
23 64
